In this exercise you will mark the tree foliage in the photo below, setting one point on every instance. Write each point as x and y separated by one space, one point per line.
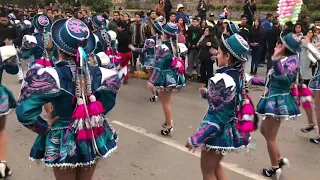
98 5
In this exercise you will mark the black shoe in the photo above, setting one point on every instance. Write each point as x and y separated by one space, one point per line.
5 171
20 81
154 99
270 172
166 131
315 140
308 128
283 162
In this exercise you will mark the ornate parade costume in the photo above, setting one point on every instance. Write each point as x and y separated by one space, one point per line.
224 94
8 63
277 100
169 70
149 48
81 133
39 45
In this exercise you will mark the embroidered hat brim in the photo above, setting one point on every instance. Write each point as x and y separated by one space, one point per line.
289 41
157 25
62 43
235 49
169 30
38 26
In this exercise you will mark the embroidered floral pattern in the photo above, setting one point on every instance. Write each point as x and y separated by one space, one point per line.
43 20
100 18
219 94
38 84
4 103
77 26
112 82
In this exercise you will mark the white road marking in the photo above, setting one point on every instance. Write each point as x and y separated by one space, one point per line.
176 145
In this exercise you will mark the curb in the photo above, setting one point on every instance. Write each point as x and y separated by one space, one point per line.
139 74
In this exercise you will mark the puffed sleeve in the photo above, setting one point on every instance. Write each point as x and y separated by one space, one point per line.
287 68
9 59
149 43
40 87
106 86
221 90
314 51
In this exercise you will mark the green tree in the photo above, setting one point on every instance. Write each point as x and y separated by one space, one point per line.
268 1
98 5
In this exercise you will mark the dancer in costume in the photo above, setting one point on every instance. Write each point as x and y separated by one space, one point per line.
277 103
168 74
36 48
225 94
8 63
305 95
314 84
101 33
149 60
75 134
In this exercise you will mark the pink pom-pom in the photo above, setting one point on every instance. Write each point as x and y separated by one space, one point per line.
306 105
245 126
109 51
305 91
79 112
81 135
98 131
248 109
295 94
95 107
178 64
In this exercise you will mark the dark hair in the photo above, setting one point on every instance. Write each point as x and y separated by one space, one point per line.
137 14
287 52
126 14
244 16
259 26
116 12
211 31
195 19
121 24
152 11
294 27
172 13
225 51
275 22
309 29
142 13
158 13
269 15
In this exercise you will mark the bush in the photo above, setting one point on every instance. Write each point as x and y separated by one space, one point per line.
268 1
98 5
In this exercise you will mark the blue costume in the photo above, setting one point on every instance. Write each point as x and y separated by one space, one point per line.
277 100
148 50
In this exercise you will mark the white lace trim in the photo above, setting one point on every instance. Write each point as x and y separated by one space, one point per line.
280 117
70 165
6 113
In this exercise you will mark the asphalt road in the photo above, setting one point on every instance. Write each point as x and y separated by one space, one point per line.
144 155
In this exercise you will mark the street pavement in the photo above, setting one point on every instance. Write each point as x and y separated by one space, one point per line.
144 155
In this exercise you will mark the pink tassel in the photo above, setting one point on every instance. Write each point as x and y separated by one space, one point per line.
306 105
98 131
108 51
81 135
79 112
248 109
44 62
295 94
95 107
305 91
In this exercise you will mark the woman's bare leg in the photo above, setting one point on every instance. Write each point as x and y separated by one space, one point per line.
165 97
63 174
3 139
271 127
85 173
210 166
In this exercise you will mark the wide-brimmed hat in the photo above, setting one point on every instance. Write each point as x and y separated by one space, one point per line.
103 59
171 29
69 34
158 25
99 21
7 52
234 28
179 6
41 22
236 45
292 41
